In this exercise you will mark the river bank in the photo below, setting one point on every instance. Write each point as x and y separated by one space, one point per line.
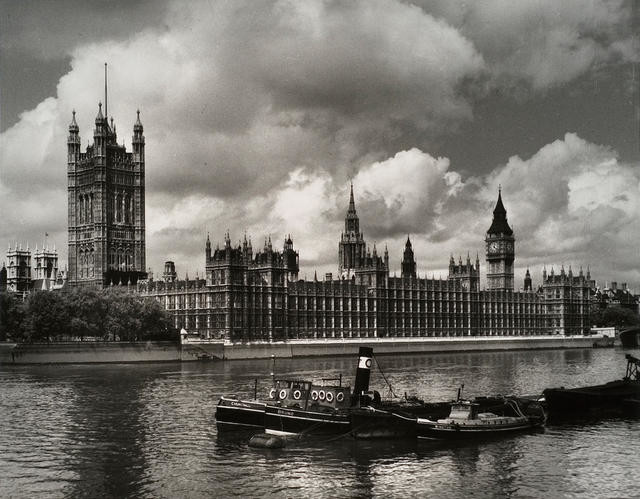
194 350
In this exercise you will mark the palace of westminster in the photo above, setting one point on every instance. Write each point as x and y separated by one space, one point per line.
257 294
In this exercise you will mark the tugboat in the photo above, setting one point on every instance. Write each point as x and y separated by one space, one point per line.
324 409
613 397
466 421
295 406
250 413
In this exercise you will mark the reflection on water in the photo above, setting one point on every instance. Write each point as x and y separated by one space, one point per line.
149 431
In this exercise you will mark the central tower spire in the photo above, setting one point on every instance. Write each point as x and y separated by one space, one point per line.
351 249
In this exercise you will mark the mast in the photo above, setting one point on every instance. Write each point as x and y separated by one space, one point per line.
106 112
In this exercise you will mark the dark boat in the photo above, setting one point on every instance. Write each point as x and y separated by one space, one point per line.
297 406
630 338
284 393
615 396
325 409
240 413
466 420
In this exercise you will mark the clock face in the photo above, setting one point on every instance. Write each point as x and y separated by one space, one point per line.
493 247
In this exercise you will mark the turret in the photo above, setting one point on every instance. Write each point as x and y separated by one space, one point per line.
527 281
408 266
137 142
208 248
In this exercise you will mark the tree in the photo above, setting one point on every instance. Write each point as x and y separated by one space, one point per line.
87 310
46 316
11 317
615 316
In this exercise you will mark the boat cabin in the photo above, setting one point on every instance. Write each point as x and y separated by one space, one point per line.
464 410
306 395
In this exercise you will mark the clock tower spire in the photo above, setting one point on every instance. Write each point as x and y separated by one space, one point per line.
500 249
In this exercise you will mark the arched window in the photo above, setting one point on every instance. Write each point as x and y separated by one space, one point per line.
127 208
119 208
81 263
80 200
91 207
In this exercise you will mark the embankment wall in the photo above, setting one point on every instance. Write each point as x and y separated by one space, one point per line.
381 346
150 351
89 352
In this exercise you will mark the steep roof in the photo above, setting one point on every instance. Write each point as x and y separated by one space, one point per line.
500 224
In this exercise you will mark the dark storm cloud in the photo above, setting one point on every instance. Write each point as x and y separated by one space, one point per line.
257 114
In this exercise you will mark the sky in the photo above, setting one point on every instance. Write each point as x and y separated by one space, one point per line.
258 115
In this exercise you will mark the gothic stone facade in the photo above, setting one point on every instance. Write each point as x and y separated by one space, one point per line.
248 298
106 206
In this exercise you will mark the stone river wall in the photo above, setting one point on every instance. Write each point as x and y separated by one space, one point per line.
150 351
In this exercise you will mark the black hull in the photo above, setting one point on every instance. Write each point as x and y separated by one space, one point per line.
286 421
436 431
607 397
367 423
240 414
630 338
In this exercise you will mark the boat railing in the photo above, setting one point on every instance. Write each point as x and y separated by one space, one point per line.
633 368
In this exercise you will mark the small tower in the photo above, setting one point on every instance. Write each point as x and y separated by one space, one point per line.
45 268
291 260
527 281
3 278
18 269
169 274
408 270
500 250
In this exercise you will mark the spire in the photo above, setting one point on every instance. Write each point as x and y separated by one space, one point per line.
73 126
408 243
352 204
99 117
500 224
137 127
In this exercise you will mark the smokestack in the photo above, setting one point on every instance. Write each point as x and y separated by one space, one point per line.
363 373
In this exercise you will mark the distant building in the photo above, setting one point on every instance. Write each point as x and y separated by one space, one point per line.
106 205
613 295
259 297
26 272
18 269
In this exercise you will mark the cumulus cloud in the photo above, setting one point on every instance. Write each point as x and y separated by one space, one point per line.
257 114
543 43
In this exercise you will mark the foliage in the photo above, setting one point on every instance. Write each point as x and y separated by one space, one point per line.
615 316
11 316
79 314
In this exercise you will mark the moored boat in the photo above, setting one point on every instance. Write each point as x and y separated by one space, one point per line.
630 338
233 412
326 409
610 397
466 421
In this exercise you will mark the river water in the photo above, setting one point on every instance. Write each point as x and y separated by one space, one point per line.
148 430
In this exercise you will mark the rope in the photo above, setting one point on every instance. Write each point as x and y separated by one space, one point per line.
385 378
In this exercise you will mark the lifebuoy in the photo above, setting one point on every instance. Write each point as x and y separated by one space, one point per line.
297 394
329 396
314 395
340 397
321 394
272 393
283 394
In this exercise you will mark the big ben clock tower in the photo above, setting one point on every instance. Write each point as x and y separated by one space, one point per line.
500 250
